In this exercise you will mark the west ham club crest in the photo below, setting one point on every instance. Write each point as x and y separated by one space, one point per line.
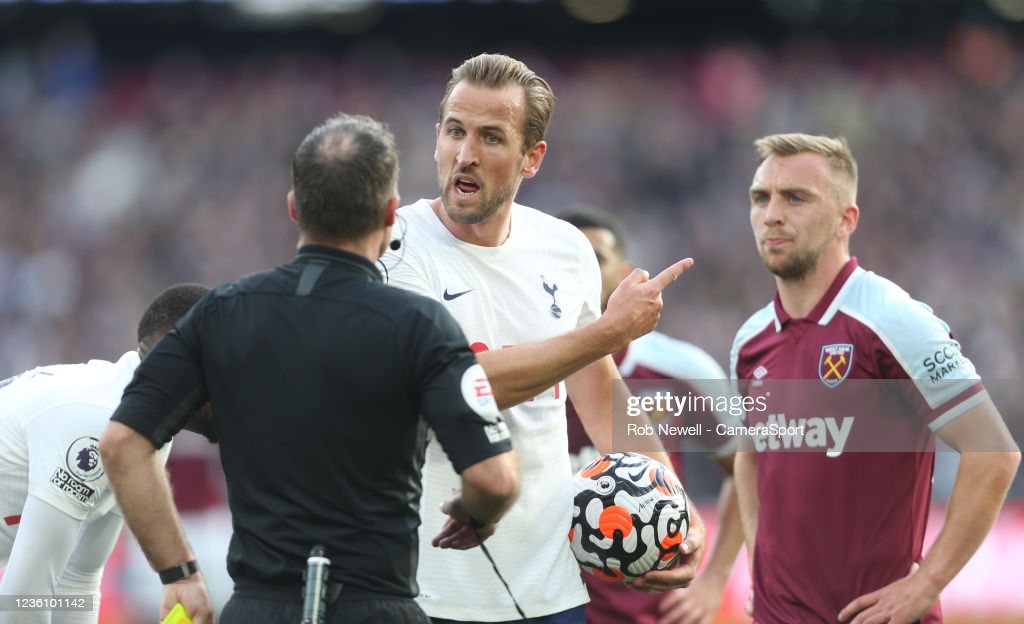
835 362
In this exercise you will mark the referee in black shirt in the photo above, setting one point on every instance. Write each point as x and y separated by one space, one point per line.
324 382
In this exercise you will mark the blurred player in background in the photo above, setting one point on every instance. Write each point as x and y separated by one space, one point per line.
324 382
834 535
59 520
691 369
525 287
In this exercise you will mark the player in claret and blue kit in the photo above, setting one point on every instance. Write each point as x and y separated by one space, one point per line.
835 514
686 370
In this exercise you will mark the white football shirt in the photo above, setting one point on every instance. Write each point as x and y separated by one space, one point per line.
59 519
543 281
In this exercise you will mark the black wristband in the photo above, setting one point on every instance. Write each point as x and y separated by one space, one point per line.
179 572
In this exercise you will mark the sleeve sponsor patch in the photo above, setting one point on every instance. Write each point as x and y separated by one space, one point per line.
947 361
476 391
497 432
65 482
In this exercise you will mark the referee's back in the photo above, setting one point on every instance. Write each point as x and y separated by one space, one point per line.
323 383
327 358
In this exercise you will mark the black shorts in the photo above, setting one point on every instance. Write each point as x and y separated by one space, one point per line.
356 607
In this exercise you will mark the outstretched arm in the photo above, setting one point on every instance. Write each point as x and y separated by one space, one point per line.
988 463
521 372
136 473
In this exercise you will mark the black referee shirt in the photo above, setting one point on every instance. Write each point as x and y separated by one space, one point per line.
318 374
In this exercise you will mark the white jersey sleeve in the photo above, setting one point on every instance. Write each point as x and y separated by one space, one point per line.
84 571
57 555
920 344
590 276
60 517
46 538
64 458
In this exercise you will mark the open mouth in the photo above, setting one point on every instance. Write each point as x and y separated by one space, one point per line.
466 186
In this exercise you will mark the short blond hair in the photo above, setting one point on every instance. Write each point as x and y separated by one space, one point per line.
497 71
835 150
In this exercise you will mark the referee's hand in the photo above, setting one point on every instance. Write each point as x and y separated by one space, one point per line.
457 531
459 535
193 595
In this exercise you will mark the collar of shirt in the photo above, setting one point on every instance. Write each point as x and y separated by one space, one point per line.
819 309
340 258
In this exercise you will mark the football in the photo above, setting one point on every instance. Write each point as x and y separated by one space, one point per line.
629 516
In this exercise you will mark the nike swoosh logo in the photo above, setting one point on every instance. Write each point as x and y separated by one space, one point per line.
449 296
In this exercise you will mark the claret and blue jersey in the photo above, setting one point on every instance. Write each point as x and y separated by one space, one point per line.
849 400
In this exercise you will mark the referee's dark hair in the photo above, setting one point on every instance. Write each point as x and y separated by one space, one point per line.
588 217
162 314
343 175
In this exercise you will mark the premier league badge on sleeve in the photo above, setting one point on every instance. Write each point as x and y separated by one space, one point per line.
83 459
83 465
835 362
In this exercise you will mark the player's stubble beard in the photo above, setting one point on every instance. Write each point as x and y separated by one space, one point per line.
489 202
795 267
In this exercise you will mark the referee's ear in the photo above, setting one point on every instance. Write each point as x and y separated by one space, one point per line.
389 214
291 207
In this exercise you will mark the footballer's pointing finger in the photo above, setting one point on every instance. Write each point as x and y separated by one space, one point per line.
672 273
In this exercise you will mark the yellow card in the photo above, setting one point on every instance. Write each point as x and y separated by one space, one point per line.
178 615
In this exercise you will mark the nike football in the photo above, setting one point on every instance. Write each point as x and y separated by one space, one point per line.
629 516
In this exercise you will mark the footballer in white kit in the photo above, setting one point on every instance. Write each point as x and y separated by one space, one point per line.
59 521
543 281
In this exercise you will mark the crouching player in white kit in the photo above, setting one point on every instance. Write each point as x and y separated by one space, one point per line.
59 521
